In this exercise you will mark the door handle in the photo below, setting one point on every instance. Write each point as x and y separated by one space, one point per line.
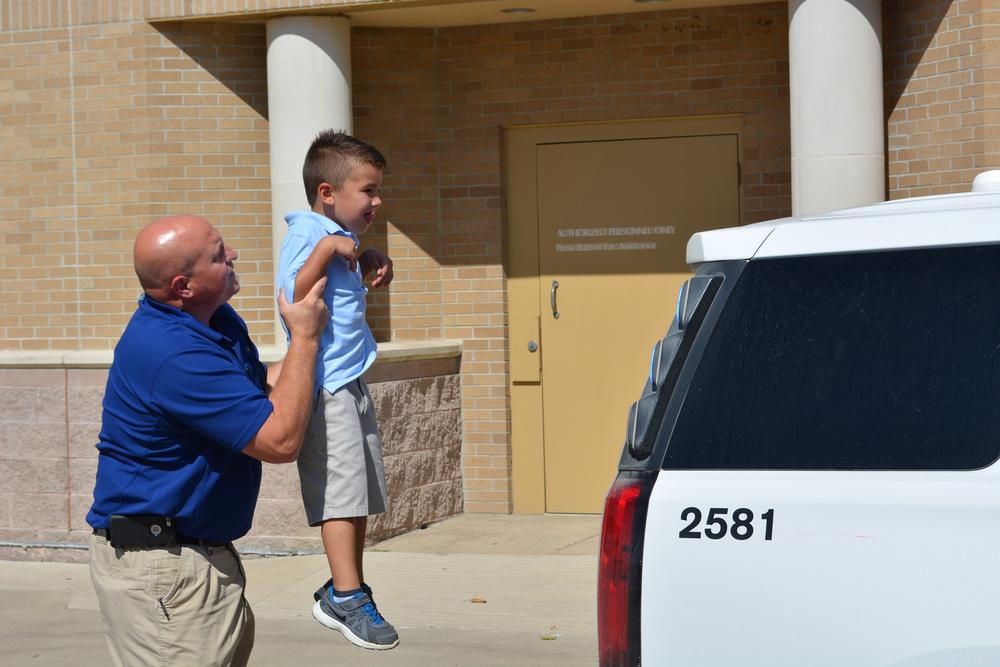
552 299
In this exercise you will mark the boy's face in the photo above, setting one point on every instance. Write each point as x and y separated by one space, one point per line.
354 204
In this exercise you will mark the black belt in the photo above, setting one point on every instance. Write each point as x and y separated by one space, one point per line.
179 539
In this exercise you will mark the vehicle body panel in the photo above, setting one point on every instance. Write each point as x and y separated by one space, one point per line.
867 568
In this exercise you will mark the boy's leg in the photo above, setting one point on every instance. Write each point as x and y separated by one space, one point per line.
343 481
360 528
342 552
344 544
343 478
345 606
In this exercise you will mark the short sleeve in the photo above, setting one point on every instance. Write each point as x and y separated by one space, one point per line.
206 391
295 250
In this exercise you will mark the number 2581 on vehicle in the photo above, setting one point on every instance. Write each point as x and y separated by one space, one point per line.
718 524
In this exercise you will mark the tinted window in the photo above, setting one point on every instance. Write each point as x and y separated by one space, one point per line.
870 361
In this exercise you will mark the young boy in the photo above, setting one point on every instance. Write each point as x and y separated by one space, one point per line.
340 463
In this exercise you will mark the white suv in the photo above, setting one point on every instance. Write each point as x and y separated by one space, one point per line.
809 477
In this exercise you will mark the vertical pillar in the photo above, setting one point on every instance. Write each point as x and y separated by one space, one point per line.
308 90
836 102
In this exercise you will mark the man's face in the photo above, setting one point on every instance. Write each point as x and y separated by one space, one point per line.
357 200
213 277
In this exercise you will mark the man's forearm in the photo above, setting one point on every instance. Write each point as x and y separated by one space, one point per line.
293 393
279 439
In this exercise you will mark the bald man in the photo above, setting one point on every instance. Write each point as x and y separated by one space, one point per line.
189 414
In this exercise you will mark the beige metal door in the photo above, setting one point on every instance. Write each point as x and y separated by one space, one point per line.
613 222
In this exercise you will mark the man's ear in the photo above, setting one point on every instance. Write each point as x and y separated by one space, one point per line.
326 193
180 286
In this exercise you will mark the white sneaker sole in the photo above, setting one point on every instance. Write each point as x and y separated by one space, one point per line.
334 624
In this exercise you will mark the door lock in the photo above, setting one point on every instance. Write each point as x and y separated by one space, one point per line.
532 346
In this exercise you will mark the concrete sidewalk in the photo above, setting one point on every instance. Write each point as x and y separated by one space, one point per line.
536 575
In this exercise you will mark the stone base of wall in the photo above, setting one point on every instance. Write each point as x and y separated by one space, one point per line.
420 425
50 418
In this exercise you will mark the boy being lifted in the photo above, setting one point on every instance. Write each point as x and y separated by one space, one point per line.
340 463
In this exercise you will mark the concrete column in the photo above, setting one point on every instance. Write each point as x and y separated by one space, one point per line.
837 116
308 90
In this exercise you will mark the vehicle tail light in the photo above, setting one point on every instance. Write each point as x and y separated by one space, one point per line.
619 583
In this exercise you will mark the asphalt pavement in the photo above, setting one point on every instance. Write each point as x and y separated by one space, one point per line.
482 590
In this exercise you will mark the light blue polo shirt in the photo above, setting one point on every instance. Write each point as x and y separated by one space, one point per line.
347 347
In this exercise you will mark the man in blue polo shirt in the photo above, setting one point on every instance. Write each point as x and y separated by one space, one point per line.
189 414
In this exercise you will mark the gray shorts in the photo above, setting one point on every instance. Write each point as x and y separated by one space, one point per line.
340 463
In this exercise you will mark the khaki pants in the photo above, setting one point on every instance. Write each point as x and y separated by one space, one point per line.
181 605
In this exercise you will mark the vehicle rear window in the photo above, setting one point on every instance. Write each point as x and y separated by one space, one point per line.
871 361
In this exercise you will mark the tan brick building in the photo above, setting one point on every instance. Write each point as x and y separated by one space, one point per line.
113 113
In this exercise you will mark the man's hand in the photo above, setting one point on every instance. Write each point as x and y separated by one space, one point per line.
342 246
307 317
373 259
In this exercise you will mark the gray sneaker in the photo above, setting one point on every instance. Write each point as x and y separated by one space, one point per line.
329 584
357 619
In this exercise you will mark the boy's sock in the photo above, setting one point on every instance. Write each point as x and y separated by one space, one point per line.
342 596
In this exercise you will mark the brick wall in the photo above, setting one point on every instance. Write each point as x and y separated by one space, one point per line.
45 14
109 121
439 101
941 99
991 81
104 127
395 110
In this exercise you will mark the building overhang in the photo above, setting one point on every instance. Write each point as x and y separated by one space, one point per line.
437 13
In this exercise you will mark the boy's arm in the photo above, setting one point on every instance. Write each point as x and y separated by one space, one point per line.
373 259
273 373
314 268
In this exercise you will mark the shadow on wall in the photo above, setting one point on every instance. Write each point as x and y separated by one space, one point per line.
234 55
908 26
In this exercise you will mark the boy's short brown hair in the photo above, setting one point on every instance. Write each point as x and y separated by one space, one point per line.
332 157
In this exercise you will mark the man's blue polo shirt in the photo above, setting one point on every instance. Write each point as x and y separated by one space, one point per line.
182 401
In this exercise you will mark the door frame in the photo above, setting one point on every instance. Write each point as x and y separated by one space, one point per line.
521 269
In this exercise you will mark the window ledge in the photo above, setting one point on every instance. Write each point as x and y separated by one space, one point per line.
387 353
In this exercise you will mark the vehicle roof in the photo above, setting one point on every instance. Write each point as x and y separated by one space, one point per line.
968 218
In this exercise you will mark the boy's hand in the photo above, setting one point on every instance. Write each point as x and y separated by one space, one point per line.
373 259
307 317
343 246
